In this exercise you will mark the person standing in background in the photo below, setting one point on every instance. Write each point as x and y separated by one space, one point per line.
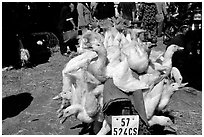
73 23
74 14
84 12
60 27
147 15
162 13
127 10
93 6
68 10
103 10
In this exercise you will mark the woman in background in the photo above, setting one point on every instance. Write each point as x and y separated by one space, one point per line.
104 10
148 13
68 11
84 12
162 13
127 10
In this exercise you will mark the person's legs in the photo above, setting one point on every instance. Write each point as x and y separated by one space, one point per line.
63 48
151 29
160 28
62 45
149 22
153 32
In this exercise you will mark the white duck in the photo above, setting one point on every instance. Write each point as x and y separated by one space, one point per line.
106 56
84 99
77 62
122 77
113 53
156 55
166 64
73 65
149 78
84 110
98 67
128 37
152 98
169 89
160 120
137 56
71 72
112 45
110 35
87 39
124 80
90 37
176 75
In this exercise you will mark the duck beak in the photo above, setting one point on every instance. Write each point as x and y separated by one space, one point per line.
182 85
180 48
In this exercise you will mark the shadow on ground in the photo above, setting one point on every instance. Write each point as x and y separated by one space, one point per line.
88 128
13 105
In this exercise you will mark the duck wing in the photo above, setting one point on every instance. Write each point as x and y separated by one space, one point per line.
124 79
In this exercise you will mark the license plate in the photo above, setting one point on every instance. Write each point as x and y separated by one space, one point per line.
125 125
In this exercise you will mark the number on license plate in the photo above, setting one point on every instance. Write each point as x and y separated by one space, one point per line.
125 125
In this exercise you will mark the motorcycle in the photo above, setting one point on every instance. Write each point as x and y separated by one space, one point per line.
118 109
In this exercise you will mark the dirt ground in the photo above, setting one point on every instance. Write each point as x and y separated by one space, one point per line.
28 107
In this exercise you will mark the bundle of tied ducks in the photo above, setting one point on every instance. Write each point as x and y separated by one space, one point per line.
115 55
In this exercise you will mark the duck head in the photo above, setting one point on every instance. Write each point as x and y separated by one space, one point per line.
174 86
89 38
160 120
171 49
175 48
98 48
177 86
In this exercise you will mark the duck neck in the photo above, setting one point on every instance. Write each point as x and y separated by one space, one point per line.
139 51
168 57
168 54
102 56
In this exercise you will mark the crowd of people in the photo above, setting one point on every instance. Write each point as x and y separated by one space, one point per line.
151 14
25 18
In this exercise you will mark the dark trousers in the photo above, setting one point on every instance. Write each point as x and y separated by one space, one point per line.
62 45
